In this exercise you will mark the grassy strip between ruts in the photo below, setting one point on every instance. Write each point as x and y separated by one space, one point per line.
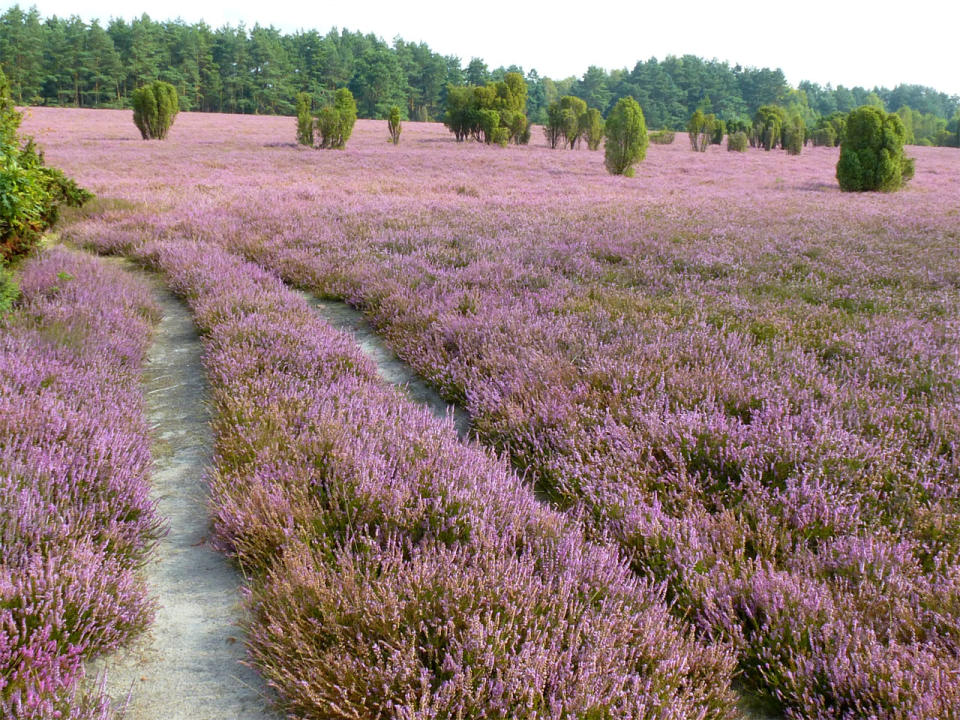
76 520
396 572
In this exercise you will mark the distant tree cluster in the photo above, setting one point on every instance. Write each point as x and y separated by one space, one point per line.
494 113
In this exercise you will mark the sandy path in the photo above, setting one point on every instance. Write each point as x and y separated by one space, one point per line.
186 666
390 367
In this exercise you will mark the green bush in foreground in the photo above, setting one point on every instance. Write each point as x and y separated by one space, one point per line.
154 108
30 192
871 155
626 133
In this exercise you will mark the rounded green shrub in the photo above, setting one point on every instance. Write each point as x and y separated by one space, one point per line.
662 137
154 108
626 133
871 155
737 142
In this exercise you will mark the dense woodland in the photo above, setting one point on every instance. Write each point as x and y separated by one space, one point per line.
70 62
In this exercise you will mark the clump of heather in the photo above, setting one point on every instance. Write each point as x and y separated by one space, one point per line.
394 569
75 517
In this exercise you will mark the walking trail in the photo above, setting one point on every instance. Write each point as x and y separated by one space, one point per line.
187 665
391 368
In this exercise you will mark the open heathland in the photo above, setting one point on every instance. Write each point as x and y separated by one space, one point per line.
742 379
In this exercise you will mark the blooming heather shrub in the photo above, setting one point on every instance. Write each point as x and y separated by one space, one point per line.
75 516
626 134
155 106
871 155
737 142
395 567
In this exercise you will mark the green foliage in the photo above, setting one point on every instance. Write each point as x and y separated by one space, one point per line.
739 124
393 125
66 61
768 126
700 129
305 122
871 156
9 290
31 193
491 113
154 108
662 137
592 127
737 142
344 104
488 120
499 136
719 130
328 126
571 110
626 133
335 122
794 135
824 136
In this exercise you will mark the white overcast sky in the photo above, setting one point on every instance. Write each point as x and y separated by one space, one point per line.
849 43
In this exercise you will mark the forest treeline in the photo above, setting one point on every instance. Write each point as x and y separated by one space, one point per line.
71 62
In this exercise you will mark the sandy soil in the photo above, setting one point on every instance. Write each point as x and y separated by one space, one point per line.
187 665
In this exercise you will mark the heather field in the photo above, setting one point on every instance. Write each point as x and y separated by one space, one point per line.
738 387
76 521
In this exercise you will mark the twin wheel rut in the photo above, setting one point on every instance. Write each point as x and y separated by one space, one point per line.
189 664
